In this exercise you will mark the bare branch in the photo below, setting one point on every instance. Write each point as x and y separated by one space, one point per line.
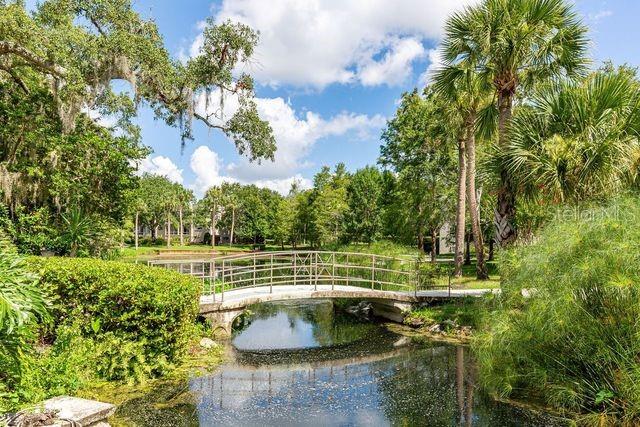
206 121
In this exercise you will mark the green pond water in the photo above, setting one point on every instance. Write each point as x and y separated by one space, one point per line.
307 363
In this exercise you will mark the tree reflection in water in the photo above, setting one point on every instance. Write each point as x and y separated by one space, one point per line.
348 373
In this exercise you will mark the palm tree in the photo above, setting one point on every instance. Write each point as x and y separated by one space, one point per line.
231 203
213 200
577 140
78 229
515 43
184 198
467 93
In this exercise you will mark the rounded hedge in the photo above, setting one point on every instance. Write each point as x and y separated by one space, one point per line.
139 317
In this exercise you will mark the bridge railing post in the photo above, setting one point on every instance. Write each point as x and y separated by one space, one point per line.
254 270
347 264
373 271
417 279
333 270
295 268
212 279
271 274
315 272
223 278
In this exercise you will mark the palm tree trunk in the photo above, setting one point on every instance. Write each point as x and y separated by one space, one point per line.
191 231
467 249
434 248
135 232
420 240
233 225
213 228
460 208
181 227
481 267
506 200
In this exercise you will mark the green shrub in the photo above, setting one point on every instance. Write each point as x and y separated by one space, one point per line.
22 307
139 317
568 324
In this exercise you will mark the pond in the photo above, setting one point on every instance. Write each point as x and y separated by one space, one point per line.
307 363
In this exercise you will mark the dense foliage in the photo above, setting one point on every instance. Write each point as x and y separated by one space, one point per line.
109 320
119 302
22 305
567 326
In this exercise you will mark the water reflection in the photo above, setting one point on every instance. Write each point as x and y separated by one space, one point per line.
366 376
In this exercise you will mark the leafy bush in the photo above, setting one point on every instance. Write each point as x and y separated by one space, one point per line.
139 317
22 304
567 328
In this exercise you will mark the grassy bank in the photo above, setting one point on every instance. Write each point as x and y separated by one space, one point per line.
565 329
159 402
457 319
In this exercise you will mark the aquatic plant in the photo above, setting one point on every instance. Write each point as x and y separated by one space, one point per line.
566 326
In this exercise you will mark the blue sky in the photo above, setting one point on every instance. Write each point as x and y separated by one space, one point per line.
329 73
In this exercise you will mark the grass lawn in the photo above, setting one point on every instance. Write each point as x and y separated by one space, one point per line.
144 253
468 279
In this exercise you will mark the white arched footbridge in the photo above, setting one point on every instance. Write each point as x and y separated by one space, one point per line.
231 283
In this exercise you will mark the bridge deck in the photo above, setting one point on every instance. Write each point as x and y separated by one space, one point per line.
239 298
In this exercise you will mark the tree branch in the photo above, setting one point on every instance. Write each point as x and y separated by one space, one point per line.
7 47
208 123
16 78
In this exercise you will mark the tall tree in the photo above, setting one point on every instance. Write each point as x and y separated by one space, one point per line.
154 192
515 43
364 217
468 94
417 147
184 198
213 202
76 48
231 204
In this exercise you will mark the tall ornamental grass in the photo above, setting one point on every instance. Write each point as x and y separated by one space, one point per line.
567 328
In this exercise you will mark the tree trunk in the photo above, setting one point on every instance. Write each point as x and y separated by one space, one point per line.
213 228
191 231
136 228
420 240
434 248
168 229
460 208
474 208
181 226
233 225
154 233
505 211
467 249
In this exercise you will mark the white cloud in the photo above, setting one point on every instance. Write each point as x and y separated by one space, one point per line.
435 62
206 165
395 67
320 42
295 136
283 185
161 165
208 168
598 16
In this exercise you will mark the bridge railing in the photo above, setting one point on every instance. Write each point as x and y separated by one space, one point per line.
315 268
